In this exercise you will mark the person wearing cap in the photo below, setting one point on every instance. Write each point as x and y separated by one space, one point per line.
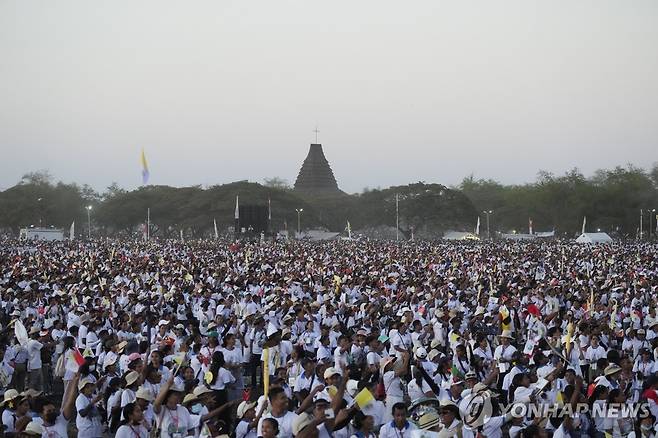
255 339
88 419
247 419
32 429
55 423
14 415
451 424
504 353
391 374
610 377
34 363
133 381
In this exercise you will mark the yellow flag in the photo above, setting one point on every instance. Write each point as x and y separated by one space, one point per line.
559 399
188 277
567 339
364 398
266 371
208 377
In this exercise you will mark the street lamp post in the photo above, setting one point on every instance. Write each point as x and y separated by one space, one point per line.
653 213
88 221
40 204
641 216
299 220
488 212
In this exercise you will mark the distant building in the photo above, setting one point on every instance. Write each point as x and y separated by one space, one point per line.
316 175
41 234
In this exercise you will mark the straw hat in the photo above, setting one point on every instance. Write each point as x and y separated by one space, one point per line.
33 428
244 407
131 377
84 382
611 369
300 423
429 420
10 394
506 334
144 394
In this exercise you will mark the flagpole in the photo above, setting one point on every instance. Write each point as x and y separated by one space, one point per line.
148 224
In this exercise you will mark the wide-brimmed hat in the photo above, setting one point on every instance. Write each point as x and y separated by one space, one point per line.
10 394
189 398
429 420
244 407
201 390
611 369
144 394
132 377
33 428
300 423
506 334
84 382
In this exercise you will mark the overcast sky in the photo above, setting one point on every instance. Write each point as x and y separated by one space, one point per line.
402 91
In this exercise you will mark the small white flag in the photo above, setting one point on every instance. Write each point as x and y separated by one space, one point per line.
584 223
214 222
72 231
477 227
237 207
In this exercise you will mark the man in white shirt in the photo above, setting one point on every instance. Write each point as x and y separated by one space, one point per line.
399 427
35 377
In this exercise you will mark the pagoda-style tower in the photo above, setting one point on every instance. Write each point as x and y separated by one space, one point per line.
316 174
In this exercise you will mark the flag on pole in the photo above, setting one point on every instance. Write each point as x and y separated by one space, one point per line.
477 227
145 169
266 371
269 209
349 230
530 225
584 223
214 222
72 231
181 236
237 206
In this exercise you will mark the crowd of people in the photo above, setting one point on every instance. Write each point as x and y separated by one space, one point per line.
336 339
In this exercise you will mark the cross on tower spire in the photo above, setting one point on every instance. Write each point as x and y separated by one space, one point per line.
317 131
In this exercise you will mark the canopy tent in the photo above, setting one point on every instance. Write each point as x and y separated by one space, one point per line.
594 238
459 235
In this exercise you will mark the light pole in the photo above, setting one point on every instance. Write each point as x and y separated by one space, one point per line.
39 203
653 213
488 212
88 221
299 220
641 216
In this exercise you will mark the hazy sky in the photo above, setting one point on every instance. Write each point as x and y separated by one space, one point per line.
402 91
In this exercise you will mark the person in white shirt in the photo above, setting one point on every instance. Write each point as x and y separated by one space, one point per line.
392 383
172 419
55 423
399 426
88 420
35 376
279 412
132 426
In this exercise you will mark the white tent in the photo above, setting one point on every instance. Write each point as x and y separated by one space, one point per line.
594 238
459 235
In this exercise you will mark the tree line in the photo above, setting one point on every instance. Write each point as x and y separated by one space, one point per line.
611 199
